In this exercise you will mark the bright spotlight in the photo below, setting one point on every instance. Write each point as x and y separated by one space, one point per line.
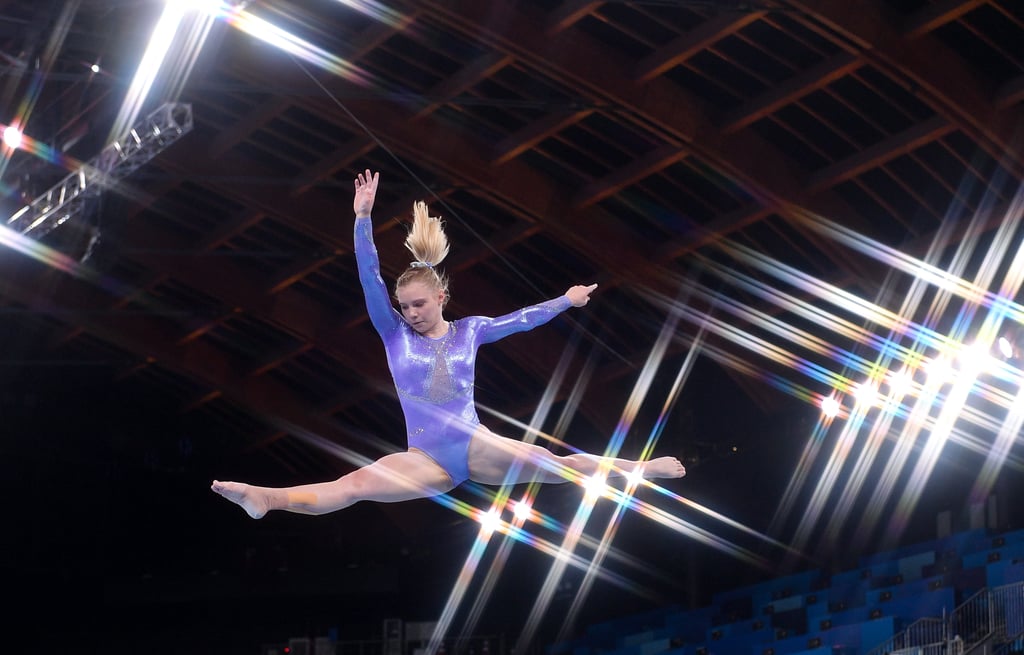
939 371
976 359
12 137
1005 347
829 406
522 510
595 485
865 393
490 521
635 477
899 383
95 68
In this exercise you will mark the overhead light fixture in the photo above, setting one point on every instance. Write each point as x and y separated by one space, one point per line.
64 201
12 137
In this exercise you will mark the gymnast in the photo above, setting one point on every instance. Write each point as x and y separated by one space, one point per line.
432 362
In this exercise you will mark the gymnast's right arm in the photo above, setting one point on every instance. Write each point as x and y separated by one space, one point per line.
378 304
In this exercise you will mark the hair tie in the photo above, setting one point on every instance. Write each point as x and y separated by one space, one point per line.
419 264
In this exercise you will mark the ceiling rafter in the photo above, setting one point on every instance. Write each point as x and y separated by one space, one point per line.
292 311
932 17
950 86
446 90
767 174
878 154
624 176
153 343
689 44
785 93
568 13
534 133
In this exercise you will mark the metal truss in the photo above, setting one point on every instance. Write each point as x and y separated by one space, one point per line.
66 199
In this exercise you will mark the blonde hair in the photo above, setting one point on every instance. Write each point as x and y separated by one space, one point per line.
429 246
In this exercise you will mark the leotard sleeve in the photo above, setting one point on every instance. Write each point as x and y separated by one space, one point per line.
378 304
527 318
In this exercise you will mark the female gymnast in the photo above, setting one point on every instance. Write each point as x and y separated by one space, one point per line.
432 362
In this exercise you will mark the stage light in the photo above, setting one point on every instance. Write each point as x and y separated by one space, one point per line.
522 510
829 406
95 68
635 477
12 137
976 359
939 371
1011 343
899 383
490 520
865 393
595 485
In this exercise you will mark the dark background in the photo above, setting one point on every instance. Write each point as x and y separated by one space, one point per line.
214 328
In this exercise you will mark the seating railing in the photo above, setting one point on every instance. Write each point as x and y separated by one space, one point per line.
986 619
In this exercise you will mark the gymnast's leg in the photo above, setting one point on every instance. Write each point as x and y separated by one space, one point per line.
492 457
391 479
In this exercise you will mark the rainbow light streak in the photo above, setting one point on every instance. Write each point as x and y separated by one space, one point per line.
750 341
43 253
681 526
49 55
197 32
848 438
501 497
926 463
568 547
377 12
673 395
296 46
875 314
587 584
578 479
838 381
46 153
70 164
550 523
654 360
572 402
888 348
1000 450
972 292
799 478
832 294
962 388
812 313
640 392
583 512
859 476
451 606
59 261
145 75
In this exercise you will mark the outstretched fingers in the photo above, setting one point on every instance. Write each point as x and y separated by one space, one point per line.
365 192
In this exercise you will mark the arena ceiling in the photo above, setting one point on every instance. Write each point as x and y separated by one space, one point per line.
761 184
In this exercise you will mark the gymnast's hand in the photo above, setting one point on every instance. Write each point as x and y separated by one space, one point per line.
579 295
366 193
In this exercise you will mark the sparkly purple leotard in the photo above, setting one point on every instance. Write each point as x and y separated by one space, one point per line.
434 377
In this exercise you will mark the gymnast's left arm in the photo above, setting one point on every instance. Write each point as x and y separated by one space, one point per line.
530 317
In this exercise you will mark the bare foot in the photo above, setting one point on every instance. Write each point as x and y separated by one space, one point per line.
664 467
254 500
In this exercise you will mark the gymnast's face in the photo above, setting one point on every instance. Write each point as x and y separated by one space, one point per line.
421 306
